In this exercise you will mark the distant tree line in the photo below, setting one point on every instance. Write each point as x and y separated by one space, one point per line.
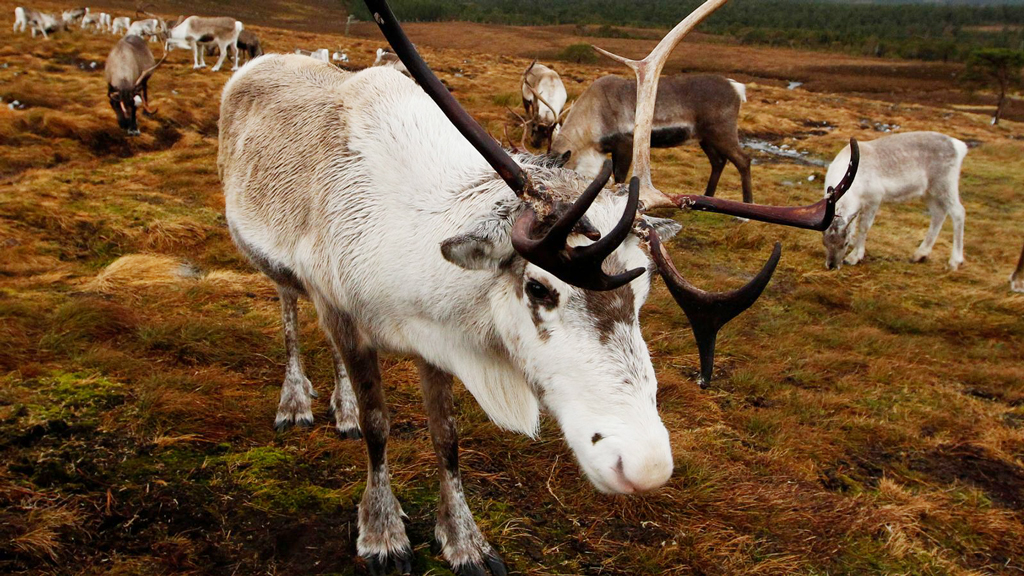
921 31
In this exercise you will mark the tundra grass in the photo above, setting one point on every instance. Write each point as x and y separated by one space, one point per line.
865 420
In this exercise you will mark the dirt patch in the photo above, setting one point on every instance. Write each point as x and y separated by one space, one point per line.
1002 481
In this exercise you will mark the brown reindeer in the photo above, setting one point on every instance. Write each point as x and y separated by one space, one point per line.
127 70
688 106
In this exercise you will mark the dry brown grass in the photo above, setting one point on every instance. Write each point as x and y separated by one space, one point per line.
865 421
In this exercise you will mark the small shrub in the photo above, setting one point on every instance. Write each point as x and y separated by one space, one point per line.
579 54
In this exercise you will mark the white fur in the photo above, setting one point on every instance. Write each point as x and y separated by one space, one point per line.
374 213
741 89
549 85
20 19
195 27
149 28
120 25
897 168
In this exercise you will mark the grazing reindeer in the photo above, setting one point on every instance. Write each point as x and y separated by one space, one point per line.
386 57
196 30
895 169
70 17
128 69
248 43
340 57
92 20
354 190
150 28
1017 278
36 22
120 25
702 107
543 97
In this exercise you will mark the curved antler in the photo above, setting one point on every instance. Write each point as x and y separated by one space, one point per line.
817 216
516 178
708 311
578 265
648 72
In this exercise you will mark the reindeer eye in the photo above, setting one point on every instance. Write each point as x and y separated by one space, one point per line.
540 293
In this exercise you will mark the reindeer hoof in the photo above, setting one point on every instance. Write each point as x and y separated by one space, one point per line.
286 421
491 566
382 565
349 433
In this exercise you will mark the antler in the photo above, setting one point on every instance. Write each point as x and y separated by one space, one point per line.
708 311
580 266
648 71
817 216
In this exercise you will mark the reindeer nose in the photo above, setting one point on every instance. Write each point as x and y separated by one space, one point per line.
642 471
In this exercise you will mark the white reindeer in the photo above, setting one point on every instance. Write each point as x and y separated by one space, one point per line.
340 57
356 191
898 168
92 20
43 23
149 28
120 25
544 97
196 30
21 18
386 57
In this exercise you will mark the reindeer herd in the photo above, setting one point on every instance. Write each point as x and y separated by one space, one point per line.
377 197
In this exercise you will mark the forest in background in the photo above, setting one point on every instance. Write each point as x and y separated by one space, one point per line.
925 31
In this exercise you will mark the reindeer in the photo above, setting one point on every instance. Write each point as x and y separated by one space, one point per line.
898 168
22 16
411 230
543 98
149 28
74 15
106 22
196 30
248 43
386 57
1017 278
36 21
120 25
340 57
600 122
92 20
127 70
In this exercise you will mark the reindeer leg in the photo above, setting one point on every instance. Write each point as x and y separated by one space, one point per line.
622 157
717 166
462 544
382 541
938 214
223 55
343 399
295 407
864 222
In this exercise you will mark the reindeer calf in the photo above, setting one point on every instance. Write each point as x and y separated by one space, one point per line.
386 57
895 169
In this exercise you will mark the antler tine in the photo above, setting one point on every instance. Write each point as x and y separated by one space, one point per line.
817 216
539 97
648 72
579 266
516 178
149 71
708 312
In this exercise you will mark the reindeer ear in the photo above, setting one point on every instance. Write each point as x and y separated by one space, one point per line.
380 51
487 245
665 227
